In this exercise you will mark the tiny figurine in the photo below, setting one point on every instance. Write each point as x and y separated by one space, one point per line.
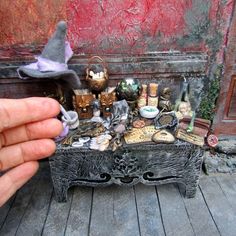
97 82
164 101
184 93
184 108
191 124
153 96
96 112
119 122
96 108
52 63
120 110
182 104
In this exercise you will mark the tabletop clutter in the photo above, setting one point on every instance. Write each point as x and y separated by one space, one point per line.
108 117
131 112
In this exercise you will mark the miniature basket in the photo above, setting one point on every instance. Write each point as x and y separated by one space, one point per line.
97 85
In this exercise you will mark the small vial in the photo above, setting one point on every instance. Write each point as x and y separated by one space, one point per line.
142 101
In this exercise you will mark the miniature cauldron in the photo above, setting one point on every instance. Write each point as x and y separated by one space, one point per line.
99 84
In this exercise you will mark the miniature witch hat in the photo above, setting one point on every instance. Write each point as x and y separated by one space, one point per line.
52 63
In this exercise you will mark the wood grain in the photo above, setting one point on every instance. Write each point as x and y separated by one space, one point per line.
140 210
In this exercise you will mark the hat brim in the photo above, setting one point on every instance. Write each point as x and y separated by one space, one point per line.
25 73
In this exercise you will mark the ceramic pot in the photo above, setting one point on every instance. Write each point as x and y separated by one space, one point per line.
73 123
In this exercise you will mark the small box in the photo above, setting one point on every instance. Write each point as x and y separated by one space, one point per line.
106 101
83 103
201 126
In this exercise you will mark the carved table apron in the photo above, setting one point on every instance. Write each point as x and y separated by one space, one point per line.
150 164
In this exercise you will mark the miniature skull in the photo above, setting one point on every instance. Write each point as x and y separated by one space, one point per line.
185 109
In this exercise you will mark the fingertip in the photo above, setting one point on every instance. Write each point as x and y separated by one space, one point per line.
56 105
52 105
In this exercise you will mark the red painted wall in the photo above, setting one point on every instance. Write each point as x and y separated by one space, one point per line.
29 21
117 26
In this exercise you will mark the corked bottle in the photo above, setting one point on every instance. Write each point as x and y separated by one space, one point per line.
153 97
142 100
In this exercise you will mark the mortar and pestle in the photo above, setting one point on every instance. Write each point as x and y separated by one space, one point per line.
70 118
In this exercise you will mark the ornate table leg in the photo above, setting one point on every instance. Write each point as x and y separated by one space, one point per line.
191 189
60 189
192 172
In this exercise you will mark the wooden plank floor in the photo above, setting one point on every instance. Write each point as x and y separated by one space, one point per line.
120 211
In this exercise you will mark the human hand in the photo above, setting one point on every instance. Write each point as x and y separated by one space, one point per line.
26 128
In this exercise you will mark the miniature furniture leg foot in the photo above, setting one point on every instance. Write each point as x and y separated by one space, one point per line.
191 189
60 191
192 173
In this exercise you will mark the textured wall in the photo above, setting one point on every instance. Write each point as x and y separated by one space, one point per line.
146 25
118 26
29 21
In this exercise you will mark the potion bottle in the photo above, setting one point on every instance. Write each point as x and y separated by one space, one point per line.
142 100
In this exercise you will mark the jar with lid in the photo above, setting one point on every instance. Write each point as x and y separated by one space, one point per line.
153 96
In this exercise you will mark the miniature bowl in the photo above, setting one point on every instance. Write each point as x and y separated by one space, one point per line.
149 112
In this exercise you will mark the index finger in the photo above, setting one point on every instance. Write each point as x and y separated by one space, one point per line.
15 112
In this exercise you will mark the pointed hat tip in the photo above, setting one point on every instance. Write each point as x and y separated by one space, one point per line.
62 25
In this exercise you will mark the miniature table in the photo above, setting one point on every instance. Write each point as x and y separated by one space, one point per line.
150 164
